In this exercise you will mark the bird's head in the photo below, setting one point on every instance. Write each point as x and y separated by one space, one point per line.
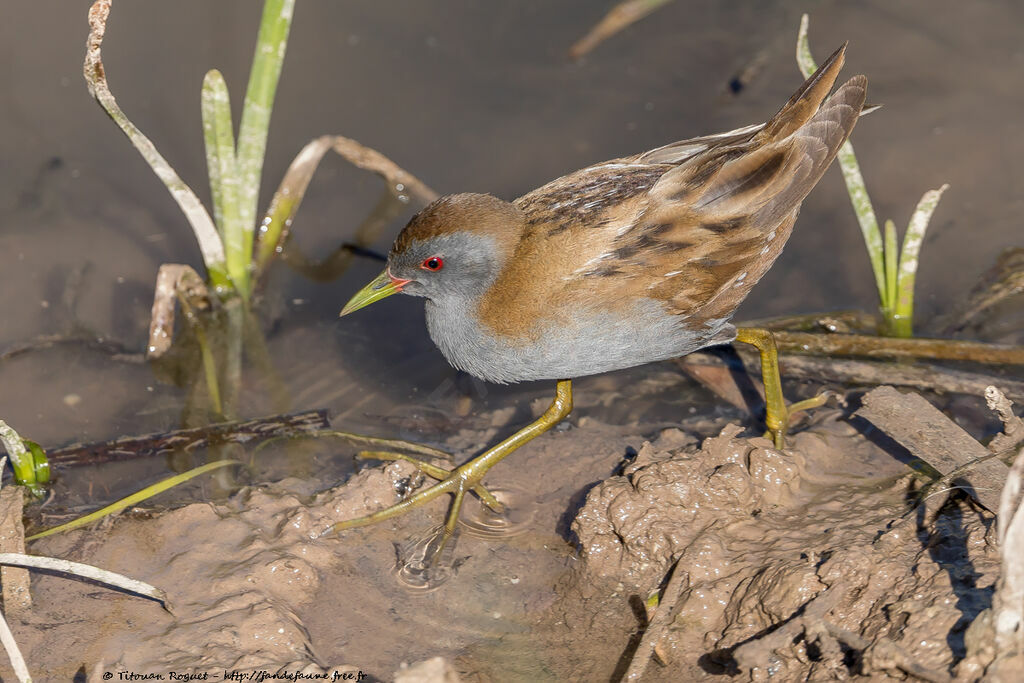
454 248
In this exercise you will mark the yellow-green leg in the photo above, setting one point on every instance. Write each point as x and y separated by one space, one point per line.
777 414
467 477
438 473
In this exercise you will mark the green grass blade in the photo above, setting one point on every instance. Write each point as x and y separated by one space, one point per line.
202 225
862 207
903 304
219 137
40 464
233 347
213 98
259 100
804 58
892 249
209 370
137 497
855 186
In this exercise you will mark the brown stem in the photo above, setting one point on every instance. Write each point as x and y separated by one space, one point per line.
862 372
277 221
387 209
887 347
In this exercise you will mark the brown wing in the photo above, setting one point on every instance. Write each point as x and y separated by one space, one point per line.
741 214
694 224
571 225
716 223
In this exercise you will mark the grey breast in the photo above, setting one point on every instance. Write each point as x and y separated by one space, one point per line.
595 341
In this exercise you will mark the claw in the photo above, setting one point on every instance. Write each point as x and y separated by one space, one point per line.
467 477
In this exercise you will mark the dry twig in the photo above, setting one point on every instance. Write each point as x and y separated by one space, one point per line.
1013 426
13 652
925 376
678 582
277 221
890 347
86 571
618 18
173 280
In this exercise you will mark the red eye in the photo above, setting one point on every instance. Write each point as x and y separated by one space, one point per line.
432 263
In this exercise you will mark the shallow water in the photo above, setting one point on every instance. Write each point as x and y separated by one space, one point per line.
468 99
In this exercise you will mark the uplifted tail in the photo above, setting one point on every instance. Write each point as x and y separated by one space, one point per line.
806 100
784 161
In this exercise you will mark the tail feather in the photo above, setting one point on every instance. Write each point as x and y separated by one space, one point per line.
771 180
805 102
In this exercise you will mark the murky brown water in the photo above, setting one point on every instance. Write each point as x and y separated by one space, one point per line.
469 97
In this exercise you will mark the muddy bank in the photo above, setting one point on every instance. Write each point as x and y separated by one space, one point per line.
254 588
782 551
795 564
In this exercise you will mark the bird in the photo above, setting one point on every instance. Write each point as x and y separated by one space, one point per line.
630 261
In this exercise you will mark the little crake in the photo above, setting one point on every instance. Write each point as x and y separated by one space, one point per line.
622 263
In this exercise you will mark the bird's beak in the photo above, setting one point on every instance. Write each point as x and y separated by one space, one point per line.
383 285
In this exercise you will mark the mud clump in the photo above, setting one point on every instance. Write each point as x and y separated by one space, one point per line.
668 503
792 572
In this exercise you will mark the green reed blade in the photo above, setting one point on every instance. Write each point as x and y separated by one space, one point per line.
219 137
855 186
134 498
903 304
259 100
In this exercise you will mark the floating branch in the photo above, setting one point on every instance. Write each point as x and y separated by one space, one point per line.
165 443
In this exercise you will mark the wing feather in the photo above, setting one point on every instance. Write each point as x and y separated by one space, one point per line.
694 224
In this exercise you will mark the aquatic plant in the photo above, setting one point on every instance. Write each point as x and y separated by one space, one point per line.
225 241
31 468
236 250
134 499
894 270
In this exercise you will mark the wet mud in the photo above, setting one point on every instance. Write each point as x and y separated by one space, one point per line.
786 557
811 563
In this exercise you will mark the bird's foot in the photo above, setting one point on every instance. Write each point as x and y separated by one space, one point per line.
434 472
777 413
778 425
466 477
426 561
456 481
423 562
